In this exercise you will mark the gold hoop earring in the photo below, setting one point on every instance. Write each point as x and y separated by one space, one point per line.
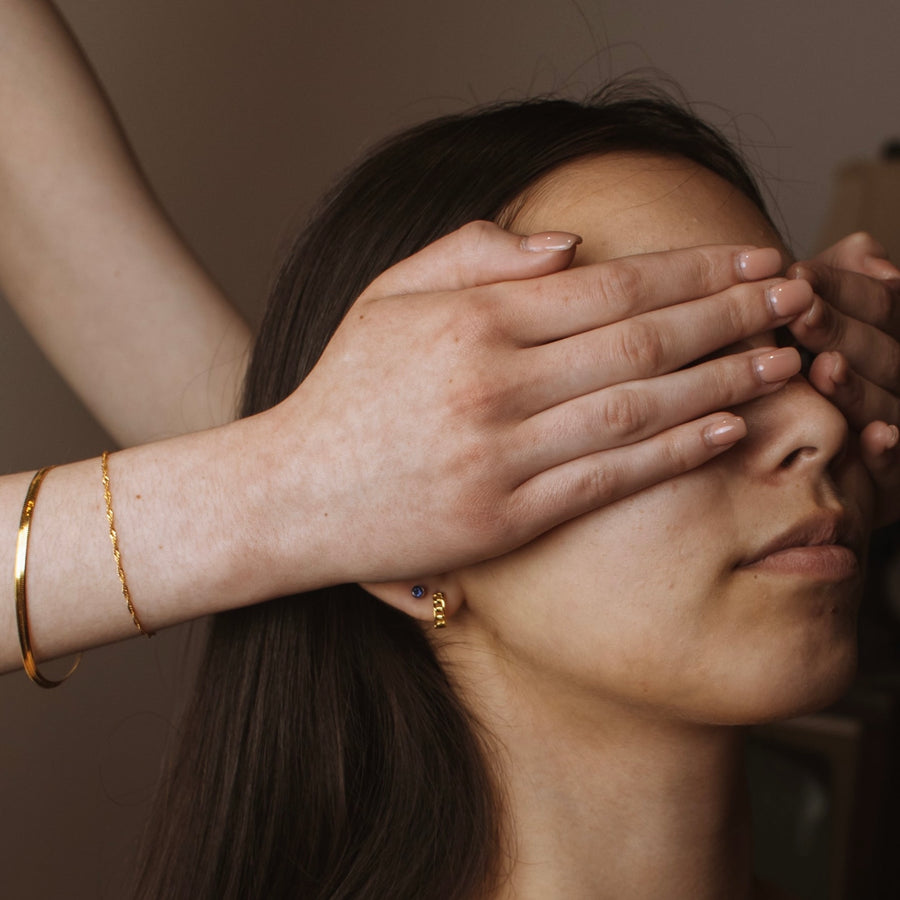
440 605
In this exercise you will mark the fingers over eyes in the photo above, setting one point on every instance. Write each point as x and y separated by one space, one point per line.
648 345
587 297
588 482
873 353
634 411
870 300
859 399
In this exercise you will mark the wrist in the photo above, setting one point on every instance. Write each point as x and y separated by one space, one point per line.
278 502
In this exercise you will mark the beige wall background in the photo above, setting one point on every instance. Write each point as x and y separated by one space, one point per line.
241 111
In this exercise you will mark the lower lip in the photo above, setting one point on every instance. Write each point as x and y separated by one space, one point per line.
828 562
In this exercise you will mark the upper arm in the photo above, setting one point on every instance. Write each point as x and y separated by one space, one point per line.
89 261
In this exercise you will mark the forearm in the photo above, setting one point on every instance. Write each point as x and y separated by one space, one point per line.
191 516
87 258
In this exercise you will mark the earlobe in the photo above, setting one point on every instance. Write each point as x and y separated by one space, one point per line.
433 600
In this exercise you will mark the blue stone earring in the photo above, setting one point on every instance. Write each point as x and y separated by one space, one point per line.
418 591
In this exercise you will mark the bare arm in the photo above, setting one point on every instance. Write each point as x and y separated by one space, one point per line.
525 424
88 259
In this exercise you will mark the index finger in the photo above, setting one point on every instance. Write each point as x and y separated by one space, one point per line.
587 297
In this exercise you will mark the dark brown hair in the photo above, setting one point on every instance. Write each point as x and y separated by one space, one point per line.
326 754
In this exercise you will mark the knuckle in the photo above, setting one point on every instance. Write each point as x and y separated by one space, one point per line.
744 317
675 456
863 242
749 313
727 379
476 323
602 484
477 232
707 271
473 398
639 345
480 393
625 414
738 312
621 282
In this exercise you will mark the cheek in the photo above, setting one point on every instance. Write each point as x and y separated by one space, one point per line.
618 599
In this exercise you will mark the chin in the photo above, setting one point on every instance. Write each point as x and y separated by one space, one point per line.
810 665
799 690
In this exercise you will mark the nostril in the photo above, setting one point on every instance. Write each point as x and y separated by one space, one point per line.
802 453
788 461
798 454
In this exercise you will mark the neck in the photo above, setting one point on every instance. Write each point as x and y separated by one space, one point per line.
651 813
604 801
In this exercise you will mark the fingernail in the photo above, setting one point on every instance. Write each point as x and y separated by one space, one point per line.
550 240
778 365
755 264
725 431
816 315
893 437
789 297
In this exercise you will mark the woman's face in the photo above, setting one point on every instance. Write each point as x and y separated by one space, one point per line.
673 599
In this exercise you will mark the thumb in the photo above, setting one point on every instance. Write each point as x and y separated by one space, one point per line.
478 253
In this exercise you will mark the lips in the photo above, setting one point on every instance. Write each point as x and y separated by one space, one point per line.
823 546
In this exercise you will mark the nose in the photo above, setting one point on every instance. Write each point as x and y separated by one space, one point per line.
795 432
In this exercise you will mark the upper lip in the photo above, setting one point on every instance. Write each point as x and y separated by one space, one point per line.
818 530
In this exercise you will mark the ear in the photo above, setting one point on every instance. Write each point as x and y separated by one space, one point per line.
399 594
